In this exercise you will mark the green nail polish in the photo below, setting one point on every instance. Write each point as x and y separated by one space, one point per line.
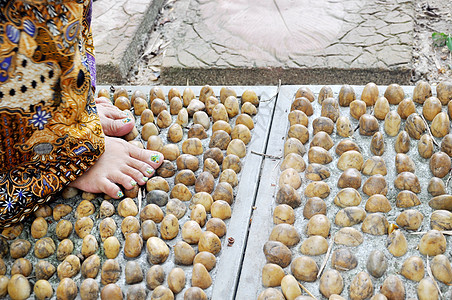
133 182
120 194
155 158
150 171
145 179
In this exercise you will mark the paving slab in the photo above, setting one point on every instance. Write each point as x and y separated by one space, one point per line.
303 42
250 282
259 42
121 30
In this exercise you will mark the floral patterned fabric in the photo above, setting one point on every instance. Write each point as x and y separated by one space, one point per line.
50 132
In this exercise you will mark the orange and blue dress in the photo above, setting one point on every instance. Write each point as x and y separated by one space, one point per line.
50 132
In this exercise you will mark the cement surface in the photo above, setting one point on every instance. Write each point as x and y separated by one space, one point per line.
250 282
121 29
237 274
258 42
301 42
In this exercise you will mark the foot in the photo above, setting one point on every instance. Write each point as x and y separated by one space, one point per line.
121 164
114 121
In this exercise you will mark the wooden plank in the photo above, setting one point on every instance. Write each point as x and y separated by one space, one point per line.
230 262
261 225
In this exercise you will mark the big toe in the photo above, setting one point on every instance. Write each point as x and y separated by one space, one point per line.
118 127
156 159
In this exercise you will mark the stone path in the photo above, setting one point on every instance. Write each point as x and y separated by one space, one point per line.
259 42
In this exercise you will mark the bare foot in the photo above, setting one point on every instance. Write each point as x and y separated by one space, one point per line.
114 121
121 164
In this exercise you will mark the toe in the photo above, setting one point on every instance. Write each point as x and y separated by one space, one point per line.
113 112
102 100
152 158
123 179
114 121
156 159
138 176
119 127
144 168
111 189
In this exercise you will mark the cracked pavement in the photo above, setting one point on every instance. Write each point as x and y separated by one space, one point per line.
264 36
260 41
121 29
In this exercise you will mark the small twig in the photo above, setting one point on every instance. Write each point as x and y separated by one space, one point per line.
274 168
306 290
341 268
266 155
140 198
431 14
429 132
446 232
448 179
429 271
149 50
428 27
330 247
437 64
357 127
275 95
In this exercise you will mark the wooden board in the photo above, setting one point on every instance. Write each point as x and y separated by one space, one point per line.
250 278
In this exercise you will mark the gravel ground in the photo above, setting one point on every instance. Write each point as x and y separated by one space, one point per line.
431 63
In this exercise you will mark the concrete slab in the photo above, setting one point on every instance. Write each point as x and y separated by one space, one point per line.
250 282
228 260
307 42
121 30
237 274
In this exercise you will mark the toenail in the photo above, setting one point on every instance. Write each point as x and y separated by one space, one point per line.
155 158
124 114
145 179
150 171
126 120
133 182
120 194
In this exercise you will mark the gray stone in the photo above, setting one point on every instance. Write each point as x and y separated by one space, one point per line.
376 39
395 56
365 57
133 272
396 29
157 197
